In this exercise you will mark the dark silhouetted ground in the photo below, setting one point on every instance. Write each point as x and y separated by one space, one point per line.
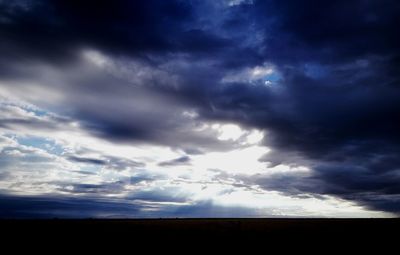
200 234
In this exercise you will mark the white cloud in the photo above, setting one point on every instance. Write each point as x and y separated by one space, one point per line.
238 2
264 74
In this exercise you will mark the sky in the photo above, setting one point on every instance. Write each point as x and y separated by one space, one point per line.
199 108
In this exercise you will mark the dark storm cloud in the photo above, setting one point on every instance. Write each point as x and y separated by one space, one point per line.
95 189
57 28
37 207
108 161
329 32
50 207
363 185
87 160
335 107
184 160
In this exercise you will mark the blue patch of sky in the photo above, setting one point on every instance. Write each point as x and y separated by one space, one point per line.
48 145
272 78
38 112
35 110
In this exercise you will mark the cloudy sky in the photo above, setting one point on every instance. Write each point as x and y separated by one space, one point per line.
199 108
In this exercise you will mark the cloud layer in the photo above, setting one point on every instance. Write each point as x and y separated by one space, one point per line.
184 104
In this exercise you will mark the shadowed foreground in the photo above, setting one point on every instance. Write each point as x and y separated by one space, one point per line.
204 232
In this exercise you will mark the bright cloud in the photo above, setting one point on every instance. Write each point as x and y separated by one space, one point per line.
265 74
